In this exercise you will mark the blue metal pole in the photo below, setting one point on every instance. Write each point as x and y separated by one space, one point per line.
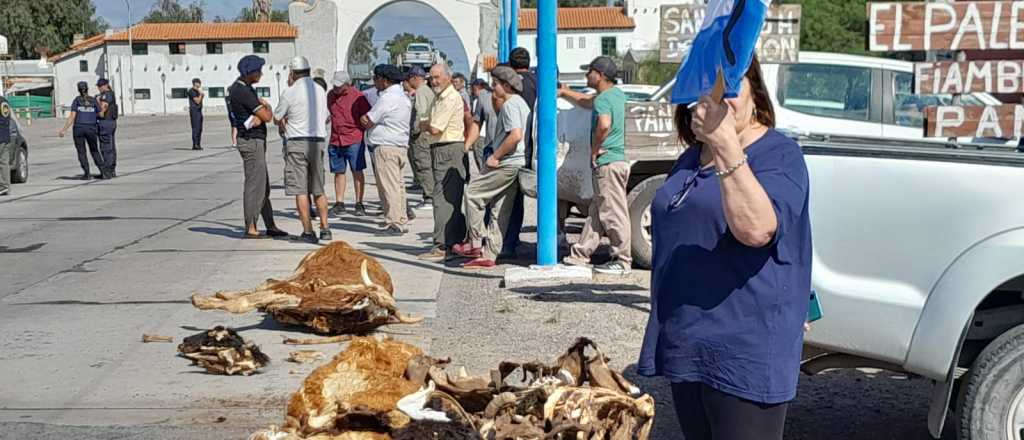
503 23
513 26
547 141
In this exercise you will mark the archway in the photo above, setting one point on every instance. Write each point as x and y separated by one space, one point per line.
386 34
329 27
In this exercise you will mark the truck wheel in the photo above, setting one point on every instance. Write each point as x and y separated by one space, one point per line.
991 400
640 198
19 169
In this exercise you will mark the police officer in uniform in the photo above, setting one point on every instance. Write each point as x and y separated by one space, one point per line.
6 147
195 112
84 110
107 127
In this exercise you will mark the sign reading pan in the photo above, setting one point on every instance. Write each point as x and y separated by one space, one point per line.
1001 121
945 26
779 42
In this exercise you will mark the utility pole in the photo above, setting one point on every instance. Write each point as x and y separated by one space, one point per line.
131 59
547 141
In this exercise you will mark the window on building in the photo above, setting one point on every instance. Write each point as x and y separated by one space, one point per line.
214 48
608 47
583 43
216 92
177 48
568 42
179 93
83 66
141 94
261 47
140 49
263 92
840 92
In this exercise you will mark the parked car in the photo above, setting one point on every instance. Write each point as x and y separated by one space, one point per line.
19 154
917 247
419 54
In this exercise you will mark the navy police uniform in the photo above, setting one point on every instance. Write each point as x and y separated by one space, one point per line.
86 131
6 146
107 129
195 114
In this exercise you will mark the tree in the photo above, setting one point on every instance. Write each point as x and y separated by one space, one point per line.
171 11
248 16
833 26
397 44
362 51
35 27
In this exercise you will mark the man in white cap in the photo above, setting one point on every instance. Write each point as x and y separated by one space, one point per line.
302 111
346 150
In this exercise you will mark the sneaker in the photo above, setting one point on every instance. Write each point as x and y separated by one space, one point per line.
467 250
574 261
392 230
276 233
360 210
325 235
338 209
615 267
85 176
435 255
5 192
479 263
307 237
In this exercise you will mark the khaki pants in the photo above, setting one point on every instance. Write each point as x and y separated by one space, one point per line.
390 162
421 163
609 215
498 188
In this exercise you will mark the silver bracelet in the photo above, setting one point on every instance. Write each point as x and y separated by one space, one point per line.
732 169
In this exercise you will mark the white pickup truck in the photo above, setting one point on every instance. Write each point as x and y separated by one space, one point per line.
918 248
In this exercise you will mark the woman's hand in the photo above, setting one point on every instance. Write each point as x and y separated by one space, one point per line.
714 123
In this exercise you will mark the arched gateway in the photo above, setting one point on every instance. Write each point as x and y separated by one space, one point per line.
327 27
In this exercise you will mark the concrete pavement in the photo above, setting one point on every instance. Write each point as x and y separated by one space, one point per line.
87 267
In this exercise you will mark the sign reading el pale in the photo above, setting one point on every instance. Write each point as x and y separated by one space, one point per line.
1000 121
945 26
779 42
993 76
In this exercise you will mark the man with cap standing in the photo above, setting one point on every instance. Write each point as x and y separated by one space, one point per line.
419 149
107 126
7 128
302 110
608 215
195 112
485 124
498 184
347 106
251 117
387 125
446 129
83 115
519 59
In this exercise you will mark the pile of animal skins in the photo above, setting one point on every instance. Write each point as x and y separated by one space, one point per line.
380 389
335 290
222 351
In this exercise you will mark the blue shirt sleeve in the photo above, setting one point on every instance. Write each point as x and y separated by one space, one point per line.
783 175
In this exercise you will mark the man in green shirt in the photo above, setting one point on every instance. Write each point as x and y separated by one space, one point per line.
609 215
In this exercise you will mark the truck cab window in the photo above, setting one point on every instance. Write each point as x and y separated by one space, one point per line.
841 92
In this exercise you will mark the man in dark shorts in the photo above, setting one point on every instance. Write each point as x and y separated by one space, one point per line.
347 106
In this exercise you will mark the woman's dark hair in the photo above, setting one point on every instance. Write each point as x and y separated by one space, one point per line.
764 112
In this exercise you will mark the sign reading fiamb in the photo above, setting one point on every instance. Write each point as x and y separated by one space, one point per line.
680 23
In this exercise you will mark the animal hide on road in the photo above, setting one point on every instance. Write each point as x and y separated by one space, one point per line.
387 390
335 290
223 351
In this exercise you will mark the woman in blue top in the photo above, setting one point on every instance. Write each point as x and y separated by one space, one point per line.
732 269
84 112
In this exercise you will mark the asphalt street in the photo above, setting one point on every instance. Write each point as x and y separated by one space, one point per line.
86 268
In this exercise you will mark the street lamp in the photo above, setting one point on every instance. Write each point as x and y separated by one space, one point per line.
131 53
278 75
163 90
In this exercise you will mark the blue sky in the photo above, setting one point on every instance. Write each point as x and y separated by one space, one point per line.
391 20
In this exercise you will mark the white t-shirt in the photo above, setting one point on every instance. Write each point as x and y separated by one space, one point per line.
304 104
390 116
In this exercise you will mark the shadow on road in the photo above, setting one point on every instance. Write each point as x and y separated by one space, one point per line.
589 293
229 232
